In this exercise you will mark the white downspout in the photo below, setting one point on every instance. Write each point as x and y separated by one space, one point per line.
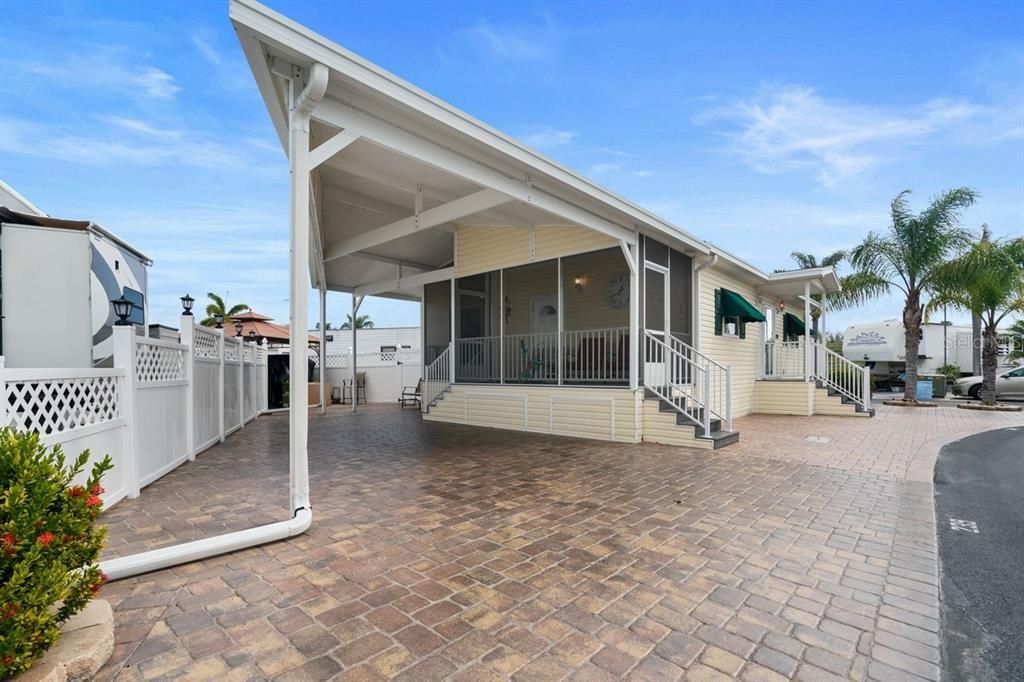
298 147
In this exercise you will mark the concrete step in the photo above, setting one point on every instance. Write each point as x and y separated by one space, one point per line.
717 436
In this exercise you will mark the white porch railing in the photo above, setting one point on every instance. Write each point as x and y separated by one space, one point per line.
697 387
577 357
784 360
437 377
846 378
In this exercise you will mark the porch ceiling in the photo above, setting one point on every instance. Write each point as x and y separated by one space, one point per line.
792 282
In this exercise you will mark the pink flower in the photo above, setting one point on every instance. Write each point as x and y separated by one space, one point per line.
45 539
8 540
97 489
93 501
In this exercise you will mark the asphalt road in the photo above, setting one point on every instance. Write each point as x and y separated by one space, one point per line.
980 479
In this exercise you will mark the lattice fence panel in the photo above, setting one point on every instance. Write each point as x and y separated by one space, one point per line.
57 405
231 353
206 344
158 363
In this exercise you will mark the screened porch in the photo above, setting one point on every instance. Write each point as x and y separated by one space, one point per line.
563 321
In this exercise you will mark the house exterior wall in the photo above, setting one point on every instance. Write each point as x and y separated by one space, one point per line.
479 248
743 355
588 307
784 397
598 413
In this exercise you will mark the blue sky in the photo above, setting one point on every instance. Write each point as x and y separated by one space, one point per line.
763 127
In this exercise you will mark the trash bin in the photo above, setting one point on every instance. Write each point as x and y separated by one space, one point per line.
924 389
938 384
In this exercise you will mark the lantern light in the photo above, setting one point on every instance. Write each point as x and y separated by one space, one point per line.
186 305
122 308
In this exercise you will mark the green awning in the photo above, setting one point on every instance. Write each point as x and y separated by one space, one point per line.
792 325
734 305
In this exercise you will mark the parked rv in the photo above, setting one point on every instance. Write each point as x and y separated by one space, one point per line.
883 346
66 270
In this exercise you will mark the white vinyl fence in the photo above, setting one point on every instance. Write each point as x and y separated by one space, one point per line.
159 406
386 373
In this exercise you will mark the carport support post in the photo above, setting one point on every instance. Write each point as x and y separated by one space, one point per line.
357 301
636 336
220 383
323 347
807 331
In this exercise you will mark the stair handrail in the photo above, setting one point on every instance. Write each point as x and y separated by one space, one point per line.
721 402
842 375
677 364
437 378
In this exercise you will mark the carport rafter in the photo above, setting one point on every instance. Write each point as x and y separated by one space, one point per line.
453 210
405 282
339 115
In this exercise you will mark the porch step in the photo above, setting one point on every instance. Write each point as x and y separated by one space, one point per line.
828 401
717 438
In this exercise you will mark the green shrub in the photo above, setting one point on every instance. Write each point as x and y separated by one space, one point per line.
951 372
49 545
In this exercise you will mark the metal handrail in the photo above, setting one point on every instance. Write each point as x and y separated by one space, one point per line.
845 377
705 383
718 391
437 378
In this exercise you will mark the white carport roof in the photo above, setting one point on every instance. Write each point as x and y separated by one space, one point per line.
397 169
390 155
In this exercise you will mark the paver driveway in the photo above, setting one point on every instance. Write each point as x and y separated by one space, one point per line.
442 550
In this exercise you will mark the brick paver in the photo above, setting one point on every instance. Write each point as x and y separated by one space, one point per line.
450 551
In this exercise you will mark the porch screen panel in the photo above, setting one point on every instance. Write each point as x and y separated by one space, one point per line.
596 338
530 308
437 330
477 353
681 296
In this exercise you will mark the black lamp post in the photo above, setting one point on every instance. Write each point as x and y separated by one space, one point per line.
122 308
218 320
186 305
238 329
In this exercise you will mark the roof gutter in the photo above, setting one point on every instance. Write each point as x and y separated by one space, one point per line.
707 264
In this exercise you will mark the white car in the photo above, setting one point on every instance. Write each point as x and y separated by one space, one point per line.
1009 384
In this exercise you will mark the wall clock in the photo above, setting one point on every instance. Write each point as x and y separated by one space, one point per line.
617 293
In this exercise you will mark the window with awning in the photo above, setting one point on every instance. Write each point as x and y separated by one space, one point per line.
793 326
731 307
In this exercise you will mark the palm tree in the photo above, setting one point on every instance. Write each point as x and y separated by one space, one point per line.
907 256
1017 340
987 281
362 322
854 288
217 306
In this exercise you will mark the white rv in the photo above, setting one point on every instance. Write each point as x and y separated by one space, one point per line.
58 278
883 344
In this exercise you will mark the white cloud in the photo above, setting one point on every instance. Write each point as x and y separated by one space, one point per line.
228 66
599 169
548 137
112 69
787 128
129 141
516 42
206 50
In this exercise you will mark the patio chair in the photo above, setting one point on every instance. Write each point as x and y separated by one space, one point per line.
360 392
411 394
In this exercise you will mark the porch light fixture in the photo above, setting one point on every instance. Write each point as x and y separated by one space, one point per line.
782 306
186 305
252 335
218 319
579 281
238 329
122 308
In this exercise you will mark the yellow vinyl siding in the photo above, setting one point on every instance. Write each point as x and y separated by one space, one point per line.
580 413
783 397
661 427
480 248
742 355
552 241
484 248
